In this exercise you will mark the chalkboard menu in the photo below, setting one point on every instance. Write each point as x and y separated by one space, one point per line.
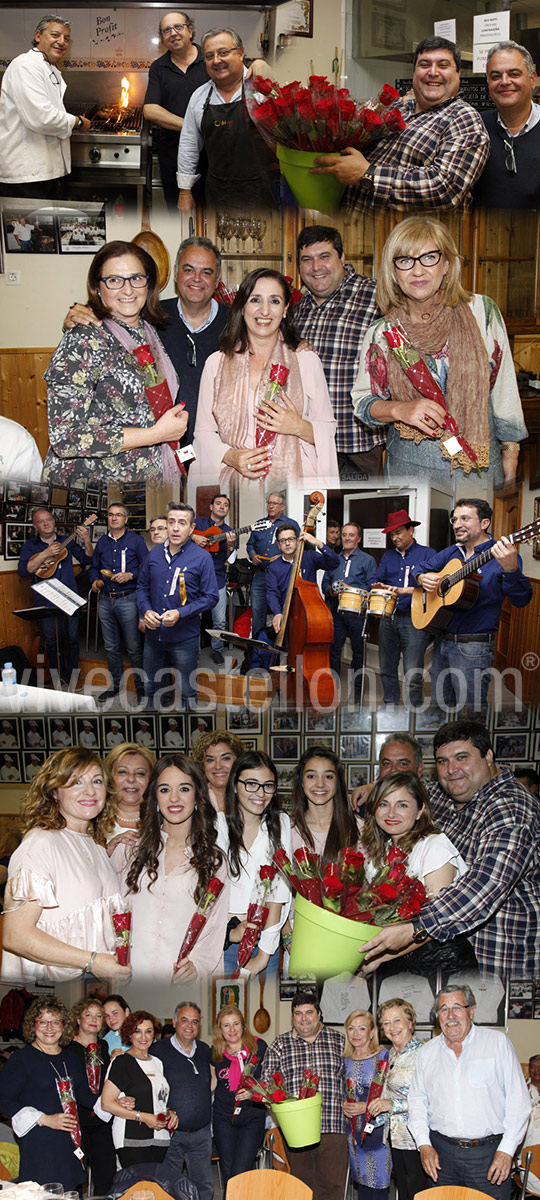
474 90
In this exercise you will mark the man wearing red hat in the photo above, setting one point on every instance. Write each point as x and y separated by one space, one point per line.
397 637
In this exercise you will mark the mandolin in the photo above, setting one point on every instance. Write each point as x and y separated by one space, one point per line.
48 568
215 534
458 586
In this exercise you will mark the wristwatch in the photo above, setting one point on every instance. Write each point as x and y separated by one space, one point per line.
369 173
420 934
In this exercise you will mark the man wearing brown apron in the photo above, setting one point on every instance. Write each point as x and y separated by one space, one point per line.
217 118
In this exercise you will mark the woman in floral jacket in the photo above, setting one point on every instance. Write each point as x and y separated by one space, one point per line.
111 386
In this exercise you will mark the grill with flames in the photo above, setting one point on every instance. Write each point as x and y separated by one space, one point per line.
116 145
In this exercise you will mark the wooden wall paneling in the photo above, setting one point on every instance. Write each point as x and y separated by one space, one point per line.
24 394
519 643
16 593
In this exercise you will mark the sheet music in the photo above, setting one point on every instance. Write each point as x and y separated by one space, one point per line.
61 596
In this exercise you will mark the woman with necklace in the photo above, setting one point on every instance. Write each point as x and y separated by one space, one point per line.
62 890
171 866
463 343
130 767
371 1163
260 333
103 405
143 1137
29 1094
93 1055
238 1122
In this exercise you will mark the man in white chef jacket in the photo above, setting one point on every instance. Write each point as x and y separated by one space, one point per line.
35 129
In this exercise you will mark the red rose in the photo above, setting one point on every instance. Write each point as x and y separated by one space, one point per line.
396 873
388 94
306 111
371 120
394 121
283 106
265 112
332 886
394 853
144 355
324 108
354 859
386 892
278 1078
215 886
279 374
281 859
410 908
266 86
278 1096
267 872
291 89
346 109
317 81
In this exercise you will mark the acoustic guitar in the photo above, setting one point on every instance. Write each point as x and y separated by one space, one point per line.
459 585
215 534
48 568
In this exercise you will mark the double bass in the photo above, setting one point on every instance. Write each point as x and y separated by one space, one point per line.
307 623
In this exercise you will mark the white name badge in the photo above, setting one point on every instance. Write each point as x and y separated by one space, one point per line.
452 446
185 454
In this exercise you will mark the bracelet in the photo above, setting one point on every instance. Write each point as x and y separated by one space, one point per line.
287 940
138 1117
87 969
510 446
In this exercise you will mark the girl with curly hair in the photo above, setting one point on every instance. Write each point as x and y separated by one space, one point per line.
216 753
142 1131
62 891
249 831
175 858
29 1095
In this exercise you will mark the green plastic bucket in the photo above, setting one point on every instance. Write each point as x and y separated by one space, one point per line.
299 1120
321 192
325 944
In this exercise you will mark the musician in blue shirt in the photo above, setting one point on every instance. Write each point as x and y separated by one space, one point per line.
177 583
397 636
355 569
219 510
118 558
34 554
319 558
262 548
464 653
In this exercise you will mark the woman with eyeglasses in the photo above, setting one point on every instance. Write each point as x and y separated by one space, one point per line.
172 864
111 387
242 432
30 1091
249 831
451 405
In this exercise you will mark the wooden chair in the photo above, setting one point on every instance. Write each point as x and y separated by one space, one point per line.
529 1165
275 1150
267 1185
451 1192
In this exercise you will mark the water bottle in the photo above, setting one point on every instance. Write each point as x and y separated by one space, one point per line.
9 679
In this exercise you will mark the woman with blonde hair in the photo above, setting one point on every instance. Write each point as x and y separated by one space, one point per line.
62 891
130 767
459 345
371 1164
216 753
233 1047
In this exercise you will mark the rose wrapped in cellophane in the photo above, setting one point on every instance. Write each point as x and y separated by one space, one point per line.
257 916
199 918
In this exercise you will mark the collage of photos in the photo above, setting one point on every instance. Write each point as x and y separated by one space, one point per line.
269 627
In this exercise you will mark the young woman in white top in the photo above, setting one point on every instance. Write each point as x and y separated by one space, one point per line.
249 832
172 864
398 813
320 813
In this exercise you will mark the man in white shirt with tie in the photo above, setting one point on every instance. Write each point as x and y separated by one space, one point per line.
468 1101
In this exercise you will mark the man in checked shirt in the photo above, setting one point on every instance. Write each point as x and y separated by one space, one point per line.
495 824
333 315
309 1043
438 157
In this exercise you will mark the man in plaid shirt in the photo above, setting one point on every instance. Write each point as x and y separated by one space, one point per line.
495 824
333 316
436 160
322 1167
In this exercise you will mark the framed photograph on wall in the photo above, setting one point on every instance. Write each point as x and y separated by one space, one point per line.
32 762
510 746
225 991
284 747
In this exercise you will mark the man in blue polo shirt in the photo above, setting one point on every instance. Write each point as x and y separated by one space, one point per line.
219 510
118 558
262 548
398 636
177 583
354 569
186 1065
463 654
34 554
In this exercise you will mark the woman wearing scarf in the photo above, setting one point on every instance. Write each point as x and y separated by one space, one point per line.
238 1122
93 1055
437 369
264 411
111 387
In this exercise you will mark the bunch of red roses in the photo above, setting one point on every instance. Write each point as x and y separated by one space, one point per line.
342 886
273 1090
257 916
320 117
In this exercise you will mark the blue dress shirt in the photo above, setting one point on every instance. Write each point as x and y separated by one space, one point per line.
400 570
279 573
108 555
263 541
158 589
219 557
64 571
496 586
358 570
